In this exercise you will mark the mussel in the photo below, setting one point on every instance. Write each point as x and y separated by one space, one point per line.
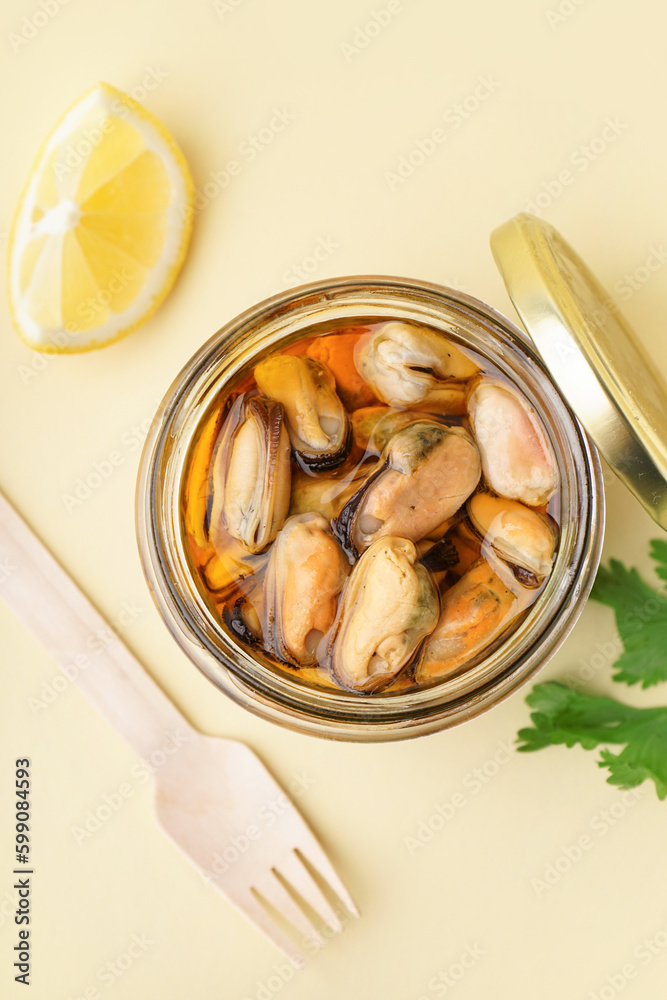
326 495
316 420
438 558
475 611
305 573
196 491
468 546
426 472
374 426
517 457
249 486
234 578
242 620
406 365
440 530
230 563
388 606
336 351
521 537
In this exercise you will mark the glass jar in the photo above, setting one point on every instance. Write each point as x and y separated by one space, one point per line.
280 697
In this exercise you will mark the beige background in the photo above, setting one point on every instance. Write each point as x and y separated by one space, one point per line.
215 76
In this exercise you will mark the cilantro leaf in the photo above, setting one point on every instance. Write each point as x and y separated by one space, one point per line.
659 553
565 716
641 618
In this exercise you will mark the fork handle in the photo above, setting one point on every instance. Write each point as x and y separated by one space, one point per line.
58 613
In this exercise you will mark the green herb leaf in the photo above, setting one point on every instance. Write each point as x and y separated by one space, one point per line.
641 618
659 553
569 717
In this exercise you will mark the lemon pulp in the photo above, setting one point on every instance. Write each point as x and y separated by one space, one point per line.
102 227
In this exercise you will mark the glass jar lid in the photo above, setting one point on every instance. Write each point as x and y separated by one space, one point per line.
591 352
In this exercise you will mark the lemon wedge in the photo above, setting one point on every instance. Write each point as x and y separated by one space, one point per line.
102 227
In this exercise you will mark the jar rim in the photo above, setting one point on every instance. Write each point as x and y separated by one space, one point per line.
346 715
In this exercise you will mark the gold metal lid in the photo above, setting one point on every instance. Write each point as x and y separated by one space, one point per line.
592 354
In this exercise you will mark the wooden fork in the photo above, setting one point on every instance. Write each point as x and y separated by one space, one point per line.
213 797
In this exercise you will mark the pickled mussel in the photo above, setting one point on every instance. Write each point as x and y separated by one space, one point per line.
316 420
249 487
326 494
409 365
374 426
519 536
517 458
475 611
337 352
389 605
242 619
229 563
305 574
371 509
423 476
